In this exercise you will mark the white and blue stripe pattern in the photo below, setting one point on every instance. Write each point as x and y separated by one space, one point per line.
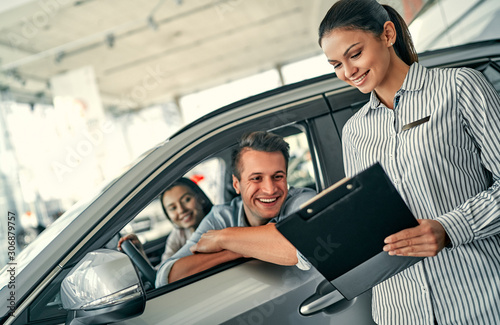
447 169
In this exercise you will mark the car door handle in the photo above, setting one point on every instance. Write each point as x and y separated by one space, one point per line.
326 298
316 304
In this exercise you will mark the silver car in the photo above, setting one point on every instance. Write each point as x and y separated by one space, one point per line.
73 273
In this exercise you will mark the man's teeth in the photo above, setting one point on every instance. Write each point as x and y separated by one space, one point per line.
267 200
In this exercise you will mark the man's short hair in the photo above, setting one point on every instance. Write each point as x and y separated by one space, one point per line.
259 141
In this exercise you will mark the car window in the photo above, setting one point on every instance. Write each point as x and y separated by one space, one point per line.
300 166
492 73
209 176
150 224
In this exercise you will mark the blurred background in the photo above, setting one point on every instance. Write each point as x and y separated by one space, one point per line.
87 86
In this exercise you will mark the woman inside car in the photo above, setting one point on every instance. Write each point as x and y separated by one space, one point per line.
436 134
185 205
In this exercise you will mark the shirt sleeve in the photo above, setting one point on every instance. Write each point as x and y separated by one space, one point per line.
348 152
479 104
209 222
174 243
293 204
302 263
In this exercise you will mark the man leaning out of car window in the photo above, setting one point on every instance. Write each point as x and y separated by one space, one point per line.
245 227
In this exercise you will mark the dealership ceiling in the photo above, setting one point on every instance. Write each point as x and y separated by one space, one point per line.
169 47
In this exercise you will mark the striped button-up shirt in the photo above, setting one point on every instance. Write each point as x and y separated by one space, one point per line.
441 148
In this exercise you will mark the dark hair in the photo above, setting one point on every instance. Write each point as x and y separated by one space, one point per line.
260 141
370 16
197 191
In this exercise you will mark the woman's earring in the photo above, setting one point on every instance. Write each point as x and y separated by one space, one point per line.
392 44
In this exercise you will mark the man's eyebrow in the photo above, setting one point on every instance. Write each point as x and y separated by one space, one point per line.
261 173
346 51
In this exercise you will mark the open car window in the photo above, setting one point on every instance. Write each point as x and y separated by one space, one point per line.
301 172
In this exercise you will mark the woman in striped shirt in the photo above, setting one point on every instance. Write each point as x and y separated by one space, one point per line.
436 132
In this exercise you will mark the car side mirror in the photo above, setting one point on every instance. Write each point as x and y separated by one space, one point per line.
102 288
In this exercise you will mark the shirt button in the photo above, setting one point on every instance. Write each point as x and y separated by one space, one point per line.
396 181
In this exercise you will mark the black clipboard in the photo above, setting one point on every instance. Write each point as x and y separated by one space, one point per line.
341 231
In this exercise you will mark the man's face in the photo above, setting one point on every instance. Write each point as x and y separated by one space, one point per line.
263 186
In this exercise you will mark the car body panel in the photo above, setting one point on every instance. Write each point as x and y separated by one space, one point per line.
253 292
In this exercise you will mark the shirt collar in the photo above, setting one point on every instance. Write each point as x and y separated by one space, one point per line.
414 81
242 221
415 78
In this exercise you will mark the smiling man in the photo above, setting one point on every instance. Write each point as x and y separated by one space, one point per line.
245 227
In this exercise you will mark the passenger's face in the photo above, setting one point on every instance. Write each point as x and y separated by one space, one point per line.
358 57
263 186
182 206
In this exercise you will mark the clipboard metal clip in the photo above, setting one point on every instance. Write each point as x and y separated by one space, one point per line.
342 189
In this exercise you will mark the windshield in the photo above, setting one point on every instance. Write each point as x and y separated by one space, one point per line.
25 257
33 249
40 242
445 23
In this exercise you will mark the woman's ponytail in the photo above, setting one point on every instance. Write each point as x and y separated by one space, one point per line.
404 45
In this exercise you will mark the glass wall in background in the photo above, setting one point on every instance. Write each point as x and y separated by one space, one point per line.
445 23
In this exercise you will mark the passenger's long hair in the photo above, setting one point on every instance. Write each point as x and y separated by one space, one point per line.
197 191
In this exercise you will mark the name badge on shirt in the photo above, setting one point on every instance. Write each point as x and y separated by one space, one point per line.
416 123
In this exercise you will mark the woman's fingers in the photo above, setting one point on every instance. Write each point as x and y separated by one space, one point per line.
425 240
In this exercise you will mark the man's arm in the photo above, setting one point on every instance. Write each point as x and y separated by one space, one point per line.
193 264
265 243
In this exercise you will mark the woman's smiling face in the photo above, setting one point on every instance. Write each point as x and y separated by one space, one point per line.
359 58
183 207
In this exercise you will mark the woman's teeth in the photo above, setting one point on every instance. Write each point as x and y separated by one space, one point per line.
360 78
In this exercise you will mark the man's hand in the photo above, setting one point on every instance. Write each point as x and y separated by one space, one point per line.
424 240
208 243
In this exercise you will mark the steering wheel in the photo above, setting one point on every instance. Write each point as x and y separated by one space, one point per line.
138 259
